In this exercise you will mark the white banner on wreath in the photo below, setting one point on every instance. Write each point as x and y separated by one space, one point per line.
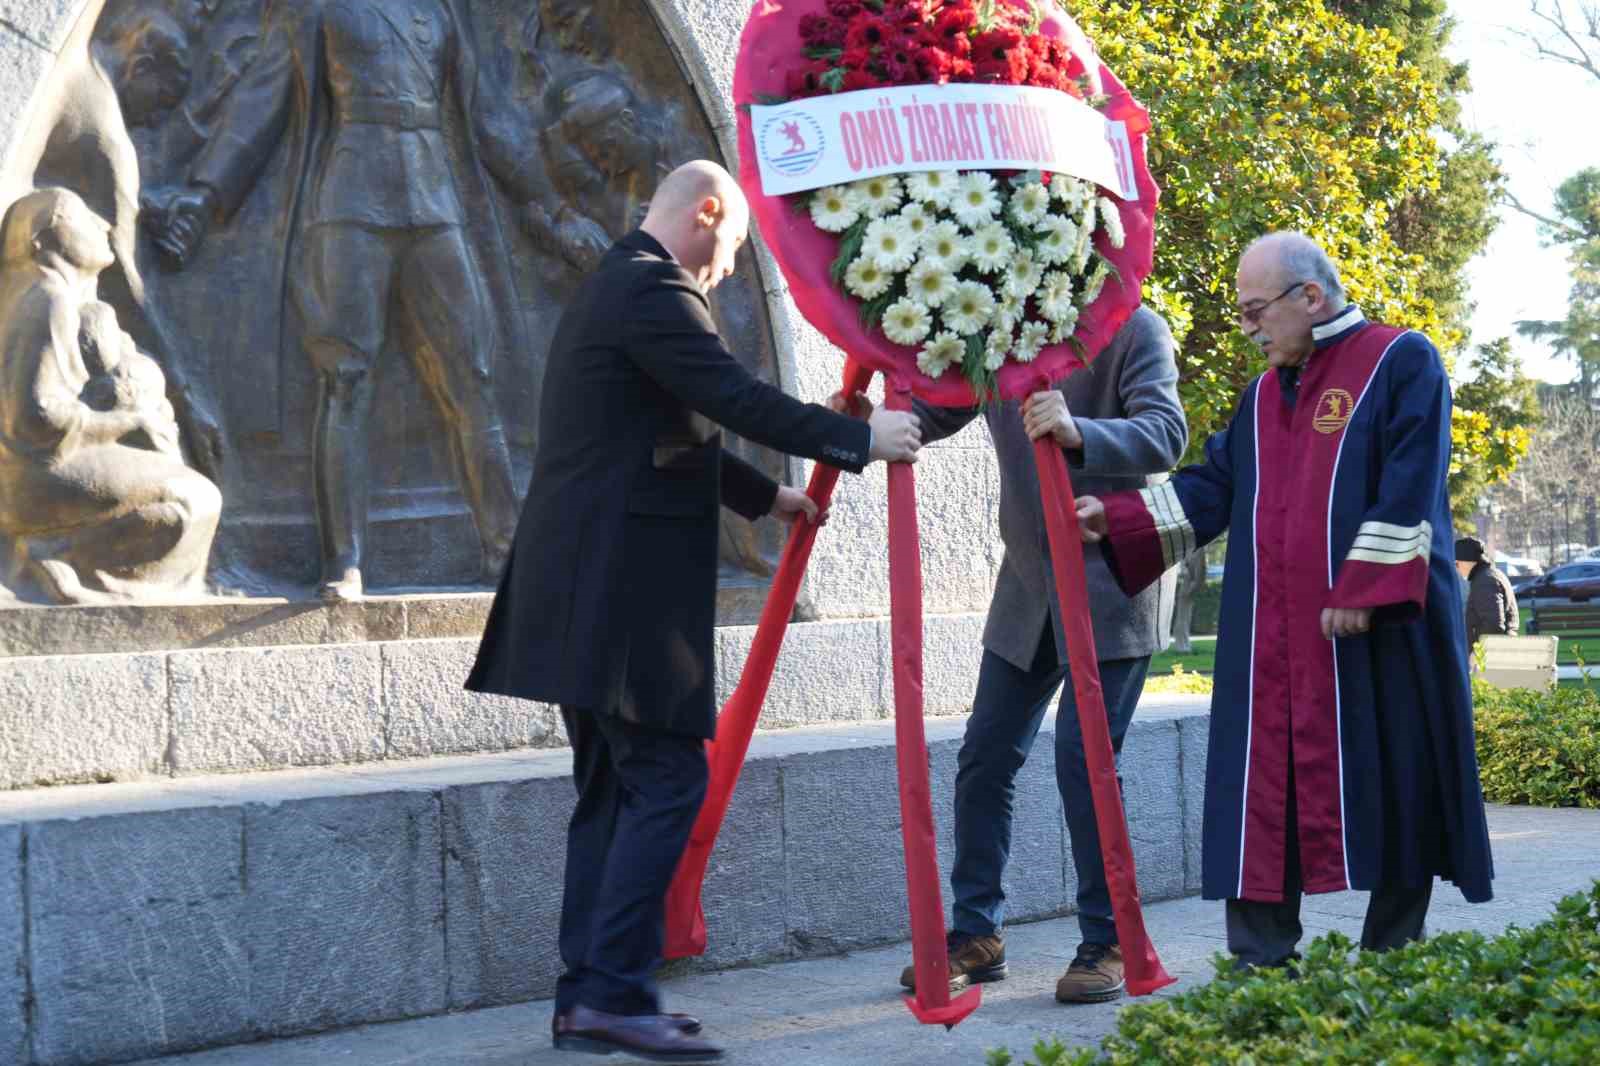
844 137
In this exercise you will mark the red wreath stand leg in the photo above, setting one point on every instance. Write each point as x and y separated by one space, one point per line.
686 923
686 932
1144 972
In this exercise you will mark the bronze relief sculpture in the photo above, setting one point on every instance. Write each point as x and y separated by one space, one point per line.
360 221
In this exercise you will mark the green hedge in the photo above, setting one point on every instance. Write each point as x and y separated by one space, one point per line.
1525 996
1540 748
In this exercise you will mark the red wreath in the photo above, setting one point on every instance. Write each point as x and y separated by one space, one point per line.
767 67
768 54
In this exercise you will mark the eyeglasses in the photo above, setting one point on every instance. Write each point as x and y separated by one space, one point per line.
1250 316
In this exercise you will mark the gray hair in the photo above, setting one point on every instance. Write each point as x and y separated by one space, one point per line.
1302 259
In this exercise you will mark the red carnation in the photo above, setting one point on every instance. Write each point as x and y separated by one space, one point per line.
995 44
868 32
820 31
844 9
936 64
855 58
956 22
860 79
1044 76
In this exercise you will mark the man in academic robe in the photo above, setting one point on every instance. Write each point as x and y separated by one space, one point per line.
607 603
1341 753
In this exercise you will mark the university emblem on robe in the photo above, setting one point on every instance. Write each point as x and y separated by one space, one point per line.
1333 410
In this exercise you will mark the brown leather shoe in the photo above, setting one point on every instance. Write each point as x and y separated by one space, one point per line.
654 1037
974 960
1095 975
684 1022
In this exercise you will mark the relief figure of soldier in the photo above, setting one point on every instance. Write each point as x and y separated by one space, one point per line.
391 235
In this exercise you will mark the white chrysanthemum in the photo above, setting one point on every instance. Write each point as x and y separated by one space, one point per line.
1068 190
1111 222
944 244
991 247
1029 204
1060 241
1061 331
930 283
889 242
1031 342
1008 311
936 187
1096 282
969 308
906 321
878 196
1023 275
866 279
976 200
1054 296
918 220
834 209
996 348
939 354
1090 216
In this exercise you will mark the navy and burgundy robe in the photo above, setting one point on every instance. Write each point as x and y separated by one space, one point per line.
1331 478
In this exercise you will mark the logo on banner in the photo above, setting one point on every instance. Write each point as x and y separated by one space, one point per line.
791 143
1333 410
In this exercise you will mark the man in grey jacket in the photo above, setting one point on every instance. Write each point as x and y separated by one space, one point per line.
1118 423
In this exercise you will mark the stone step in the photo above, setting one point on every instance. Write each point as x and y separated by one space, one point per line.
366 699
150 918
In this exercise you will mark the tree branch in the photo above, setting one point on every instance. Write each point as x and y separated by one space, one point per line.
1556 19
1563 230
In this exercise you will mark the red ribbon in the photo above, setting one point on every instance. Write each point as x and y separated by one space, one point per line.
929 957
1144 971
686 925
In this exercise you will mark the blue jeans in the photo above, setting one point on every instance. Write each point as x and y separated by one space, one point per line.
1006 713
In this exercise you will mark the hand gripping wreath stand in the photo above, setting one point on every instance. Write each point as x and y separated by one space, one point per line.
804 255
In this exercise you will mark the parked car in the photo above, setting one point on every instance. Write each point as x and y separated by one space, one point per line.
1577 582
1519 571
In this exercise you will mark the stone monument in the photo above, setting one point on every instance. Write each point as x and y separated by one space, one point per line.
343 231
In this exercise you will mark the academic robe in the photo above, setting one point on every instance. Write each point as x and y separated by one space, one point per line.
1331 478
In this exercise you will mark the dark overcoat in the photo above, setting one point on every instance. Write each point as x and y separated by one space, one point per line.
608 600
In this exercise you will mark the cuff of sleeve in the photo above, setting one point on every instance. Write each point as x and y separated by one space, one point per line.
1386 569
1135 548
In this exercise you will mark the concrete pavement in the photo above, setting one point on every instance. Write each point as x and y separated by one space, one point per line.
846 1011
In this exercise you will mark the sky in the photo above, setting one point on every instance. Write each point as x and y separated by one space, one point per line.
1516 277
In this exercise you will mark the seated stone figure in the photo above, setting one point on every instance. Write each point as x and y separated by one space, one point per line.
95 504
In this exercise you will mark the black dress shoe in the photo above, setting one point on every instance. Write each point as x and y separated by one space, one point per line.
654 1037
685 1023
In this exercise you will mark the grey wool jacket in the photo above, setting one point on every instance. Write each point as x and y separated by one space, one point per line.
1126 406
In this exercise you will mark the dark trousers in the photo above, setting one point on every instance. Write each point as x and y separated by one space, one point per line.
639 791
1265 934
1006 712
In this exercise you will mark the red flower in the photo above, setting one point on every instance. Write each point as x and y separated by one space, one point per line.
935 64
855 58
956 21
820 31
806 80
860 79
869 31
1044 76
844 9
995 44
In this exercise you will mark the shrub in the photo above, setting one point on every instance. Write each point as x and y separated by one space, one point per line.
1179 681
1540 748
1527 995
